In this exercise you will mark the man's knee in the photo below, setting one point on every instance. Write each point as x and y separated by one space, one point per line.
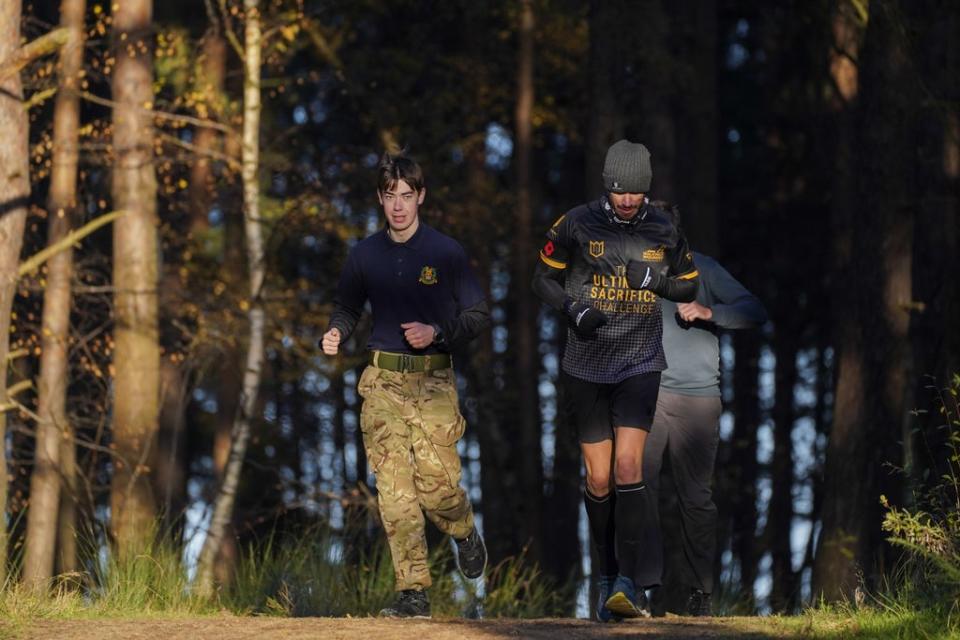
628 470
598 484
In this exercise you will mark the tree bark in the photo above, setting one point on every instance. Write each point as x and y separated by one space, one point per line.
133 506
604 117
230 384
14 195
223 507
743 503
696 174
526 369
874 368
780 519
55 433
212 69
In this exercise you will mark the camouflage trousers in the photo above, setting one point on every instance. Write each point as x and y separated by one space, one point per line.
411 423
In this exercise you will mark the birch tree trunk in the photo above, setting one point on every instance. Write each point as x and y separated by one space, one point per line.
135 264
54 432
223 506
14 193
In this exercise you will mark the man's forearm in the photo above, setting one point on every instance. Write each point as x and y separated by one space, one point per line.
467 325
677 289
744 313
546 286
344 319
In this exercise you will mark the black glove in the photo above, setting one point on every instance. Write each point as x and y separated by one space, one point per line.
586 319
643 275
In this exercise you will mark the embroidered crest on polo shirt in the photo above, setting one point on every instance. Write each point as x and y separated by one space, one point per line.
428 275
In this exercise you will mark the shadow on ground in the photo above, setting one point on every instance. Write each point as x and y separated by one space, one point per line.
383 629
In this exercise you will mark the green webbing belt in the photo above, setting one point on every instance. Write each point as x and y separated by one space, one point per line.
409 362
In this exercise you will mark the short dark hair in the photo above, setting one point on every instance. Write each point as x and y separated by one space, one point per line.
399 166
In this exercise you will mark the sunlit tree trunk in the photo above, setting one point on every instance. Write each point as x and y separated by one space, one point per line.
133 506
223 506
14 194
55 434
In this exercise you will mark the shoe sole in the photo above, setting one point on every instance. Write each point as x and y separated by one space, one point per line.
619 604
482 569
611 619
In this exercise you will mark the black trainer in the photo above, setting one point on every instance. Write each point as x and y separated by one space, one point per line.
471 555
410 603
698 604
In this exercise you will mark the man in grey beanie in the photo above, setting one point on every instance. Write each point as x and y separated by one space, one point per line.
605 265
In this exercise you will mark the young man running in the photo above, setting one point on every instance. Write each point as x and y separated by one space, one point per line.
424 298
605 264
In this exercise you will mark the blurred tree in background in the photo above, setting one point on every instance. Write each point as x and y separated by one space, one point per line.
813 147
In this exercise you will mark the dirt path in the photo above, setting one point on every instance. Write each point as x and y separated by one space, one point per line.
378 629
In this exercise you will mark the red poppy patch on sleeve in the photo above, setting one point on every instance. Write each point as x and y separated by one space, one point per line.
548 248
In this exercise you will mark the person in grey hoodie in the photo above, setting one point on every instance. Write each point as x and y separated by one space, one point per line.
686 424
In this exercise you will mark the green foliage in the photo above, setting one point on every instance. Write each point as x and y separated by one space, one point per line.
151 583
887 617
517 589
322 573
930 532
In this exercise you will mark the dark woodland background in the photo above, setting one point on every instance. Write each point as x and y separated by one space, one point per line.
813 147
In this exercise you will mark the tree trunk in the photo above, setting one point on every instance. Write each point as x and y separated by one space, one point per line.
743 504
231 370
133 506
780 519
212 70
696 24
604 116
874 366
14 195
55 434
223 507
526 369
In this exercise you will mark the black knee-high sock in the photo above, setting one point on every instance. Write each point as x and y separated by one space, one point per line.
638 535
600 514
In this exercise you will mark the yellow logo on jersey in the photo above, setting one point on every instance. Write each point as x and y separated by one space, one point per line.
428 275
596 248
654 255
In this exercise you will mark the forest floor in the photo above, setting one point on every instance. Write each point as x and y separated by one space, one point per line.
270 628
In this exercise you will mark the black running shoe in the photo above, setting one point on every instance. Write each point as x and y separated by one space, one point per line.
471 555
698 604
410 603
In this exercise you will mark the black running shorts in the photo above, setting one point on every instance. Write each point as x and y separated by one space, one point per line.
598 408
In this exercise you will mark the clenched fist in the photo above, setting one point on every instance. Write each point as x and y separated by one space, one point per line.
692 311
417 334
331 342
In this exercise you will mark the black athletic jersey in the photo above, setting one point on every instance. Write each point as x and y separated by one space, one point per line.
593 247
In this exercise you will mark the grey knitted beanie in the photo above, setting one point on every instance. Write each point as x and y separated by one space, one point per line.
627 168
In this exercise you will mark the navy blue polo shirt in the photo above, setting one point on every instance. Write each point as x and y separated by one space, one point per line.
425 279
